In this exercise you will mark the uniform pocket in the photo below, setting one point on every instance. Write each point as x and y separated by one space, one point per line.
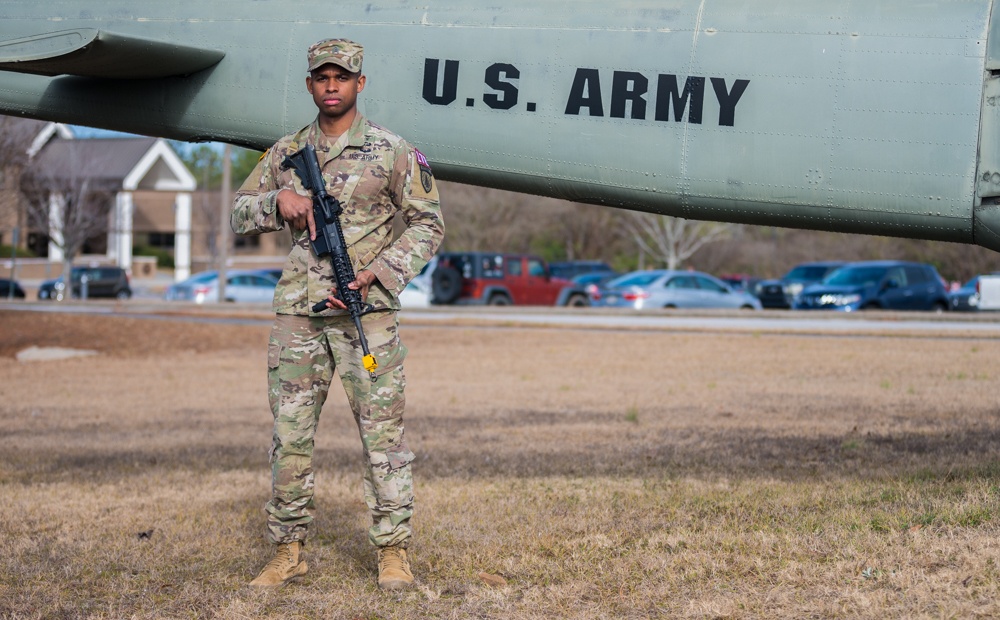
382 331
273 354
273 381
389 356
399 455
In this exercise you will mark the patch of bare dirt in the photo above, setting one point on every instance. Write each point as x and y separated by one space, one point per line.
122 336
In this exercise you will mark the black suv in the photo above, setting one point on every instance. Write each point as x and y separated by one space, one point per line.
782 293
571 268
100 281
10 288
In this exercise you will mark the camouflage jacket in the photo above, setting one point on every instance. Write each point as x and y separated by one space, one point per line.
375 174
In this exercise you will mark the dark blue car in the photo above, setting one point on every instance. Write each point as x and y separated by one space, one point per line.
965 299
883 285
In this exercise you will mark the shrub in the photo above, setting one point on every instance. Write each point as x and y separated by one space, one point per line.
5 252
164 260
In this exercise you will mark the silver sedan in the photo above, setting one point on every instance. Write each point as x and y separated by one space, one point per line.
671 289
241 286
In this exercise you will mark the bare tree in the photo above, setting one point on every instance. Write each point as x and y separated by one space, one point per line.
672 240
66 196
208 163
205 162
495 220
14 143
16 136
481 219
586 231
488 220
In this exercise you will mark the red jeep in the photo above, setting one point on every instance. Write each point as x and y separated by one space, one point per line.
496 279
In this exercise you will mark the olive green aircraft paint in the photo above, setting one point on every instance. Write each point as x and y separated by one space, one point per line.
878 117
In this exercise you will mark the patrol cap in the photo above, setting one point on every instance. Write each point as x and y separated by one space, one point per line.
340 52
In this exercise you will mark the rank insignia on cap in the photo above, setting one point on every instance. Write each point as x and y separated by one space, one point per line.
340 52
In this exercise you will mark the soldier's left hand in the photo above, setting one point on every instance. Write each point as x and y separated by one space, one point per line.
361 283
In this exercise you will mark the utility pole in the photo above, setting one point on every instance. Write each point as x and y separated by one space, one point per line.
13 263
227 173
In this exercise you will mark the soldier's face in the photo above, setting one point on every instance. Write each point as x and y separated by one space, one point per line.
335 90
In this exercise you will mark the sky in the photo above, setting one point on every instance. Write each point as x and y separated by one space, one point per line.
81 131
91 132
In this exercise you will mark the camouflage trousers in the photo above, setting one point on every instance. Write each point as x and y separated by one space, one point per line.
302 355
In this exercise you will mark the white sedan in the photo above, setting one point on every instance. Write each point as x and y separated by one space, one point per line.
417 294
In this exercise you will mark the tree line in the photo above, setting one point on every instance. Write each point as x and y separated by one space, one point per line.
481 219
486 219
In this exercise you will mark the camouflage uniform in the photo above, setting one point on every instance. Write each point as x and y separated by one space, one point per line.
376 175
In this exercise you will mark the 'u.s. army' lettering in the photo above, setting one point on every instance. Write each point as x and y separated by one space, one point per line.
671 99
628 96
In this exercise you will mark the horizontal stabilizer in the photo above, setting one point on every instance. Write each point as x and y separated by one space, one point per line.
88 52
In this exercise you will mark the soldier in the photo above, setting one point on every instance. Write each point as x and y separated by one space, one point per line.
375 175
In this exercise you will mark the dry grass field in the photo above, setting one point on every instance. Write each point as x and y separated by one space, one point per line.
561 473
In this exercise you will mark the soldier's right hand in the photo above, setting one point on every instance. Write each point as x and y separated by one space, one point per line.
297 210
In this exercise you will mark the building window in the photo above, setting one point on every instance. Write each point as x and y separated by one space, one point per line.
39 244
160 240
250 242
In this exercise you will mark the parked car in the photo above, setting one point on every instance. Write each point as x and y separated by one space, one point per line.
572 268
580 288
274 272
989 292
10 288
496 279
671 289
241 286
417 294
100 282
887 285
970 297
741 282
966 298
781 293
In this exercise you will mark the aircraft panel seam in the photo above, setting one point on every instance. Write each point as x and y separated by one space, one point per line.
662 175
682 186
772 186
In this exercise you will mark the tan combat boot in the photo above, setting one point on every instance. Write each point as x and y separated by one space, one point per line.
283 568
393 569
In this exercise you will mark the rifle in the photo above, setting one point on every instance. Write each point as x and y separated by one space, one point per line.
330 242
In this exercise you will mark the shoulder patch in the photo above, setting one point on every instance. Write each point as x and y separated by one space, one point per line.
421 159
426 176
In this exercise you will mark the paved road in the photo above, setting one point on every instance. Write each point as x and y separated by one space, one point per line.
803 322
870 323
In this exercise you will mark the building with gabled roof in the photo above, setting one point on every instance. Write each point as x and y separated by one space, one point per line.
20 140
130 169
135 172
152 202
